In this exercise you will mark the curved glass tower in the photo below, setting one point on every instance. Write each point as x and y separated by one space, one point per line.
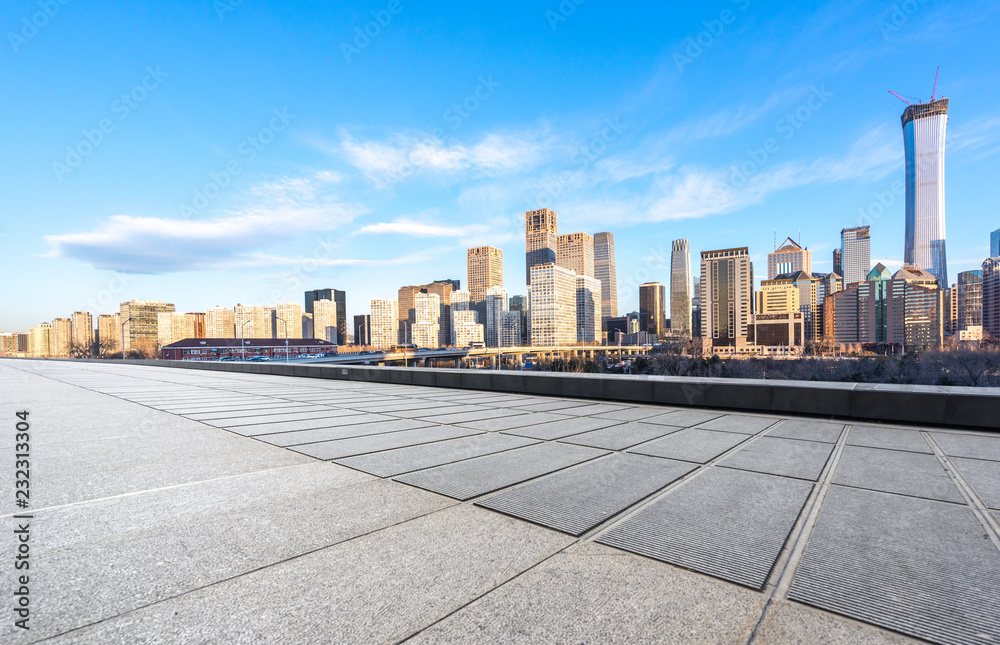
924 127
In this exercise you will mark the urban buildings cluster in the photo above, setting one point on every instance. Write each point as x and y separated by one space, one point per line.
571 295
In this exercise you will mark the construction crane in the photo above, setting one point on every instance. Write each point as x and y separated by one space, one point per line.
934 91
900 97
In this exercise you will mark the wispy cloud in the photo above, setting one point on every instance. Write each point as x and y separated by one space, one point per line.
273 211
410 227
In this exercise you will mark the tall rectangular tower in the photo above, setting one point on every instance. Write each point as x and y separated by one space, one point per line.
855 246
552 305
652 315
995 244
604 270
969 300
726 294
339 298
540 239
384 323
788 258
83 328
680 288
924 128
485 270
575 251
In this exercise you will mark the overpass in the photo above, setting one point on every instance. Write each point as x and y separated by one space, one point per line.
478 357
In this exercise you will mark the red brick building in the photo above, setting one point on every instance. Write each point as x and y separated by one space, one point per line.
213 349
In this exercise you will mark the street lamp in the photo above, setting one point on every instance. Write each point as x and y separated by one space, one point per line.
123 335
276 317
243 340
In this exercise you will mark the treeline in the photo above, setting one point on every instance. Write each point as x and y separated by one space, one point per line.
110 349
979 367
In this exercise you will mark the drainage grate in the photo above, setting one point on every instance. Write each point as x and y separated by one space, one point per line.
468 479
577 500
404 460
896 471
785 457
730 524
700 446
916 566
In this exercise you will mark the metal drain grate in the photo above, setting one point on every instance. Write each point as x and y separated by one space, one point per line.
700 446
730 524
896 471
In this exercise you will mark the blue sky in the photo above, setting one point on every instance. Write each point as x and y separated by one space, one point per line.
220 152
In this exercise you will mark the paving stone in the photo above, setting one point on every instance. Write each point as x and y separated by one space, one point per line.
916 566
888 438
376 442
515 421
348 422
593 409
620 437
566 599
403 460
479 415
731 524
983 476
967 445
255 419
740 423
300 437
692 444
547 405
896 471
578 499
563 428
789 623
785 457
634 413
807 430
471 478
684 418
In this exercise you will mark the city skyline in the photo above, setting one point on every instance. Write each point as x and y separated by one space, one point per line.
337 194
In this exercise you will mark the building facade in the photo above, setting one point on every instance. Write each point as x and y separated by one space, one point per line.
484 266
83 329
680 289
575 251
969 300
991 297
790 257
588 310
726 296
494 304
520 305
325 322
995 244
605 272
62 336
109 333
426 329
363 330
141 325
220 322
40 341
339 298
552 305
252 321
924 127
287 320
855 247
652 313
540 239
384 323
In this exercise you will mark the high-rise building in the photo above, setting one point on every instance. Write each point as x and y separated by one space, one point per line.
995 244
495 304
991 297
924 128
726 295
520 305
253 321
575 251
363 330
287 320
540 239
588 310
62 336
696 308
485 269
109 333
461 300
652 315
339 298
443 289
855 246
40 341
465 328
83 329
838 266
552 305
788 258
812 291
172 327
969 299
951 309
680 289
510 328
13 343
604 270
324 321
384 323
139 319
199 324
426 326
220 322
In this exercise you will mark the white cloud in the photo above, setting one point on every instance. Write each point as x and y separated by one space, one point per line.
410 227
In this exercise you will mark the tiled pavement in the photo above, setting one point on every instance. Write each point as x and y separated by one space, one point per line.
179 505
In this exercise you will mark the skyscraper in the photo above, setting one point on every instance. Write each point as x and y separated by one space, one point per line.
324 321
384 323
838 266
855 246
788 258
252 322
604 270
83 328
287 320
540 239
680 288
62 336
995 244
495 304
588 310
339 298
726 294
924 128
363 330
485 269
520 305
109 333
575 251
426 327
652 315
552 305
220 322
139 318
970 299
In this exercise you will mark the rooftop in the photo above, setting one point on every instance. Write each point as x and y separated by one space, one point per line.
185 505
